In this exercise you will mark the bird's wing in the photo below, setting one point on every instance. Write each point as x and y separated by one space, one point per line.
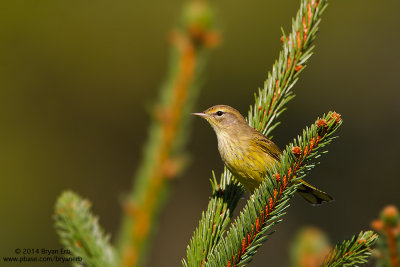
268 146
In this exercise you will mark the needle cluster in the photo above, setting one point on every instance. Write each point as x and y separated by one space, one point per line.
352 252
81 233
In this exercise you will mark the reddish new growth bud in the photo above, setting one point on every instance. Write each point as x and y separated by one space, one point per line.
321 123
259 108
296 151
271 203
305 30
78 244
390 211
298 39
362 241
212 39
277 177
284 181
336 117
131 208
377 225
257 225
289 171
170 168
285 39
298 67
390 216
243 245
309 13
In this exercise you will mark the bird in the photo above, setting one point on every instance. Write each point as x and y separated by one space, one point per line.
248 154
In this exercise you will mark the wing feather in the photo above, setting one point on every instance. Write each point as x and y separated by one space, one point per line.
268 146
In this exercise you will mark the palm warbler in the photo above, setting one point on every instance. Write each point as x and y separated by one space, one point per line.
247 153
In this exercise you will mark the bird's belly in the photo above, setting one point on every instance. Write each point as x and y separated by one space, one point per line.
248 167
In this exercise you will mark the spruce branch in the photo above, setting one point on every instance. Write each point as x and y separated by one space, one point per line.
269 201
80 232
352 252
297 49
215 220
388 245
269 105
163 158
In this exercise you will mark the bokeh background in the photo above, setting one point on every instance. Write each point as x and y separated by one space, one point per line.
77 78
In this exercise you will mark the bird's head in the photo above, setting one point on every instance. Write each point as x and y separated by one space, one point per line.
224 119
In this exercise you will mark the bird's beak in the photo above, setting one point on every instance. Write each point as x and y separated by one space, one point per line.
203 115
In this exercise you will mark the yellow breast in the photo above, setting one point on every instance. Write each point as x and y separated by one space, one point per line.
247 162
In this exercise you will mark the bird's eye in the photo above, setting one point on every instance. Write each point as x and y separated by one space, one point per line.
219 113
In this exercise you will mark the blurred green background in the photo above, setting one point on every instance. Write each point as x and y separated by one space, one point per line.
77 78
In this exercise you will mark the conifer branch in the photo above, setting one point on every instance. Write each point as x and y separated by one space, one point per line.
388 228
269 201
80 232
352 252
296 51
269 103
215 220
163 158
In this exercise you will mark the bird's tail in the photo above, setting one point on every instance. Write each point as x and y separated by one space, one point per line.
312 194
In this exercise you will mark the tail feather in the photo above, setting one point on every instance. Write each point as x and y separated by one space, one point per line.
312 194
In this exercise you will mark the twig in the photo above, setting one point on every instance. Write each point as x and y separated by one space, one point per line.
163 159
